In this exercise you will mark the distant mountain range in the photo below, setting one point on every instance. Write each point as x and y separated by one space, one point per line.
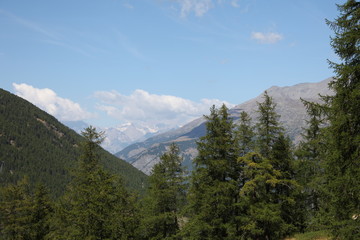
119 137
35 144
144 155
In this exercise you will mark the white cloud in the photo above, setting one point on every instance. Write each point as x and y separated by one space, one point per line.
235 3
143 107
198 7
46 99
269 38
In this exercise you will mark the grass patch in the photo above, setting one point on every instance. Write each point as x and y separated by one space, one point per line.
318 235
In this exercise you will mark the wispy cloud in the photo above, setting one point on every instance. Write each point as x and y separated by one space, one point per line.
65 45
47 36
130 47
128 6
31 25
142 106
235 3
46 99
266 38
198 7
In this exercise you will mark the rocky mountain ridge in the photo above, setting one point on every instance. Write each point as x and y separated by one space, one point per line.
144 155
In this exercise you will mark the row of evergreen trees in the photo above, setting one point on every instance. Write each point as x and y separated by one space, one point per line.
248 182
243 184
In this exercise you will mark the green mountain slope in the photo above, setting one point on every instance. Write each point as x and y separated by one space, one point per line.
35 144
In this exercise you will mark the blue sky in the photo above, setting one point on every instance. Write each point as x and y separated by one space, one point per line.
158 61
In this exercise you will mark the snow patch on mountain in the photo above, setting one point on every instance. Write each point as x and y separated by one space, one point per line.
121 136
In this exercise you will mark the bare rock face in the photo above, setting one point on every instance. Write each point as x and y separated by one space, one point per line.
289 105
144 155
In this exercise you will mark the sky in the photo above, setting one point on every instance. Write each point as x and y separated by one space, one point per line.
109 62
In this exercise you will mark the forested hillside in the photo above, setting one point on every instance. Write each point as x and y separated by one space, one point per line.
35 144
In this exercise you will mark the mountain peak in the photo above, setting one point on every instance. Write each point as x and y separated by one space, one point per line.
144 155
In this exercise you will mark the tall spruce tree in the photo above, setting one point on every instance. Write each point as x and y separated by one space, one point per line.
96 205
268 127
42 211
245 134
343 155
166 197
273 144
262 212
214 187
309 165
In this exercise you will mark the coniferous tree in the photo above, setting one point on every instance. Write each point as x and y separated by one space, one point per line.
282 159
23 214
166 197
273 144
42 210
214 187
262 216
268 127
96 205
343 139
15 211
245 134
310 169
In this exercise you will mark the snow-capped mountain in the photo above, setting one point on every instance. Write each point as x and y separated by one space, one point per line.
123 135
136 132
119 137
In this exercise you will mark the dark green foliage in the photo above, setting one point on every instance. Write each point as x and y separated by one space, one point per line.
267 127
218 149
310 169
213 193
343 134
274 145
282 160
245 134
165 198
16 211
42 212
35 144
23 214
281 156
96 205
261 200
271 140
